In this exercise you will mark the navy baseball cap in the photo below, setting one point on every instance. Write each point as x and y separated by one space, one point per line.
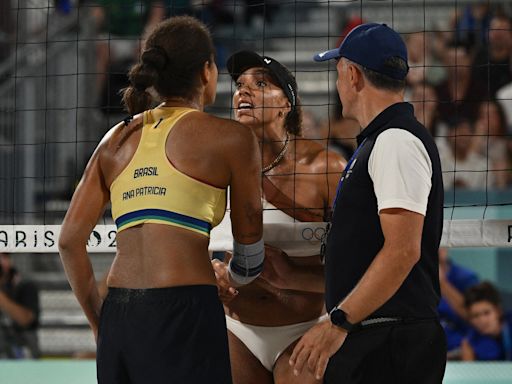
243 60
370 45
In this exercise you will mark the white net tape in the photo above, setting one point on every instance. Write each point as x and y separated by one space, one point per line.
303 237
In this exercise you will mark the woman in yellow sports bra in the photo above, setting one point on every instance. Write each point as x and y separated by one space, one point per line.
165 172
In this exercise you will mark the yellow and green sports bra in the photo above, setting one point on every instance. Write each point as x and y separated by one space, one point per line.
151 190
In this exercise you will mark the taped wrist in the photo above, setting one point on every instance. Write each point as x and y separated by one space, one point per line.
247 261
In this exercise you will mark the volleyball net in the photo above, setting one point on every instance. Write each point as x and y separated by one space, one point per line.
63 63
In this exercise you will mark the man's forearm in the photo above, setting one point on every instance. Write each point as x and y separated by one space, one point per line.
383 278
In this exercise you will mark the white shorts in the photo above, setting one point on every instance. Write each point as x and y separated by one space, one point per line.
268 343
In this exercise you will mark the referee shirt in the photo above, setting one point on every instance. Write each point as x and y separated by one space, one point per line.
396 166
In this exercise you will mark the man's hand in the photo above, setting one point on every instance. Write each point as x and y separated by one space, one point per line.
226 290
316 347
277 268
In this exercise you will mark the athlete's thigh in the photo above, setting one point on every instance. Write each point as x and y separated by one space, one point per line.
245 367
283 372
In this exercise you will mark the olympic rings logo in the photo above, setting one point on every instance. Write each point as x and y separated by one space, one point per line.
312 234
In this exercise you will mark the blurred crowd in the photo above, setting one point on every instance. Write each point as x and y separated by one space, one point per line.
19 313
460 83
460 80
476 325
123 25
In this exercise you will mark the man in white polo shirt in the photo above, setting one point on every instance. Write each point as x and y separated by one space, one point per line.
381 271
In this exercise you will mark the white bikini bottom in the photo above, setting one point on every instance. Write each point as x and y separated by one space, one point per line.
268 343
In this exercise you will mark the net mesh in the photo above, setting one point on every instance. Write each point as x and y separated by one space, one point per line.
63 62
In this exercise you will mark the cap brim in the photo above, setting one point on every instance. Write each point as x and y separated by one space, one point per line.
241 61
327 55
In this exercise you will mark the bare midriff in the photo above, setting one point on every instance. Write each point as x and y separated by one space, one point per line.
262 304
158 256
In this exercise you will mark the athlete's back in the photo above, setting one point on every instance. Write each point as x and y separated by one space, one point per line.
166 243
165 172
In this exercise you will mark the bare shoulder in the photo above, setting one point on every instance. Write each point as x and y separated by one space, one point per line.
229 134
119 133
320 158
115 140
334 161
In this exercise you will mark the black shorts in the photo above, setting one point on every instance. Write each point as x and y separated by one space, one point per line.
171 335
412 352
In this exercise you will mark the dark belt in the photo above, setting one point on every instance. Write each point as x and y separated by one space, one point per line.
384 321
380 320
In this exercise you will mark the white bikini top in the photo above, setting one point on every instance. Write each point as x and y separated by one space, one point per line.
272 214
296 238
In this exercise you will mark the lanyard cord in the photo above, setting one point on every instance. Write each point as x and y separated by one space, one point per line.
348 168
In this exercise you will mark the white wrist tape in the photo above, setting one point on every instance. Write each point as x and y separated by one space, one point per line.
247 261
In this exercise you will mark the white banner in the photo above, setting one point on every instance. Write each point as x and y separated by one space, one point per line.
477 233
306 236
44 238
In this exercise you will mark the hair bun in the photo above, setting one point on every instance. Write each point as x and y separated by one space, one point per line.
156 57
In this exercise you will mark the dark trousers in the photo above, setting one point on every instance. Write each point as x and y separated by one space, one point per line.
170 335
412 352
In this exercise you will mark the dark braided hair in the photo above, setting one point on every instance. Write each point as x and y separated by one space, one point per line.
174 55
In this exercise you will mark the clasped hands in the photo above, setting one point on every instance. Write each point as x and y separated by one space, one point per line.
276 270
318 344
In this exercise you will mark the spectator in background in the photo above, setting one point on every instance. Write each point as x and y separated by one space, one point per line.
423 97
472 25
342 132
460 94
19 313
215 14
462 165
454 280
491 141
491 336
493 60
423 66
123 26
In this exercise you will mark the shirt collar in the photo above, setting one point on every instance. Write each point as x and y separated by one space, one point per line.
384 117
